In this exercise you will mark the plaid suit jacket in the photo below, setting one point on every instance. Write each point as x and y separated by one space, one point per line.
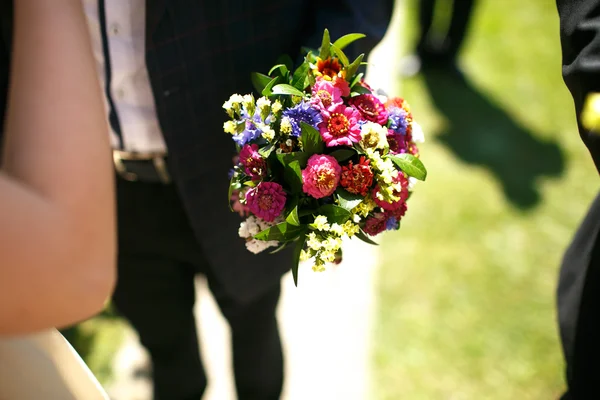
198 54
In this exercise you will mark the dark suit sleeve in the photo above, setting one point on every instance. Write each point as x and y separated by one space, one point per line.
580 40
351 16
6 17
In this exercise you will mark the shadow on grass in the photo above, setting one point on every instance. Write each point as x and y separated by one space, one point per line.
481 133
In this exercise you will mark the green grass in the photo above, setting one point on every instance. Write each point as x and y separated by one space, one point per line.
466 287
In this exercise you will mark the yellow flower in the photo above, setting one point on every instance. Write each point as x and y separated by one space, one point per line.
313 242
364 208
276 107
328 256
332 244
351 228
286 126
268 133
230 127
318 268
305 255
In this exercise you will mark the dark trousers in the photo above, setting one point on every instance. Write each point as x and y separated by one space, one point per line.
158 260
579 308
448 49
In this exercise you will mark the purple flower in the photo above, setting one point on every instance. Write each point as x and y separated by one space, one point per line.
391 224
398 120
252 131
302 112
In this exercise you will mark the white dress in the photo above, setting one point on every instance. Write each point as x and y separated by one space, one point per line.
45 366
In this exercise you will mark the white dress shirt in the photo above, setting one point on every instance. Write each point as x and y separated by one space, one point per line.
130 88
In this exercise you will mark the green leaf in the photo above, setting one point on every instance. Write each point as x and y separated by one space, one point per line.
284 88
287 61
358 90
232 183
341 55
281 67
293 218
250 183
278 249
287 158
325 45
342 154
334 214
268 90
299 77
356 80
293 176
411 165
352 68
296 258
347 39
348 200
260 81
363 236
267 150
282 232
312 142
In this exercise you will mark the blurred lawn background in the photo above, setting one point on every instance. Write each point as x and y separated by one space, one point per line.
466 289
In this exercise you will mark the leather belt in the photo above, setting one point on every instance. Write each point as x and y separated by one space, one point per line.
142 167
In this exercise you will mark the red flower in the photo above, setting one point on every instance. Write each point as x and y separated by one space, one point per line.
357 178
254 165
399 212
398 102
328 68
370 108
376 224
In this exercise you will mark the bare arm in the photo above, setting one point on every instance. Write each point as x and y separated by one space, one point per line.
57 218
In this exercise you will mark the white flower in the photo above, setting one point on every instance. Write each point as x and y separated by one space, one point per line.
412 182
417 133
263 103
337 229
374 136
250 227
257 246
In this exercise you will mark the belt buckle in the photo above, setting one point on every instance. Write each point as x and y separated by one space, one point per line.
158 160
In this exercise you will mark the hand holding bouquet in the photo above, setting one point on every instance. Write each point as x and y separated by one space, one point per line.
321 156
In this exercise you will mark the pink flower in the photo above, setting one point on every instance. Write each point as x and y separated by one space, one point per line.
370 108
325 94
266 201
237 205
254 165
403 194
340 126
375 224
396 142
321 176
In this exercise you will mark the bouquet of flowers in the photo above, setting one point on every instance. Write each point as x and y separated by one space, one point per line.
321 156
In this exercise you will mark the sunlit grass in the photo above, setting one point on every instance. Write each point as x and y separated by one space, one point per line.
466 288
